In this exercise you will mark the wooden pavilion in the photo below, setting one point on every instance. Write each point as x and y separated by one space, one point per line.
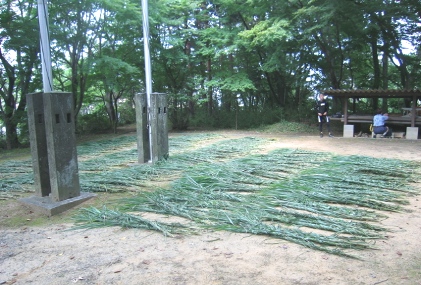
410 116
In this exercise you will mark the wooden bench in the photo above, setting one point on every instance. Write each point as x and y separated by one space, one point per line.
411 130
400 120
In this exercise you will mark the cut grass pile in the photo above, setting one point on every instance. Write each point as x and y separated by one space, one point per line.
319 200
16 177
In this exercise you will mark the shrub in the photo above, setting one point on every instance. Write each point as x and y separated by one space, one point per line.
96 122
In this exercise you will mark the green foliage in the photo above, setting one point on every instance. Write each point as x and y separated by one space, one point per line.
266 33
238 82
95 122
179 118
127 113
257 54
23 133
243 119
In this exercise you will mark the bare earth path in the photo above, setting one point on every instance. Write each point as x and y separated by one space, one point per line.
50 255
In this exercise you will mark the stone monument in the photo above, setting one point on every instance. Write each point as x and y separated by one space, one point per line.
54 156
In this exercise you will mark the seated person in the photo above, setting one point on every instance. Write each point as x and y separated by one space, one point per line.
379 126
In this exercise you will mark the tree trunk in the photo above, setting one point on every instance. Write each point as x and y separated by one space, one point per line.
385 74
11 132
376 66
109 106
210 91
9 105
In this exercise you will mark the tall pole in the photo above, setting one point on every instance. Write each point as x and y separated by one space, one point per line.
47 74
148 70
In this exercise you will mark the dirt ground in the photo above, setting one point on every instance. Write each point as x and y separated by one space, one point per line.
44 252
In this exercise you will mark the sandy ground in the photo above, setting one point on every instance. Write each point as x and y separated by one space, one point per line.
49 254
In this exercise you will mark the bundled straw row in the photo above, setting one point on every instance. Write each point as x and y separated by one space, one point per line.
321 201
282 194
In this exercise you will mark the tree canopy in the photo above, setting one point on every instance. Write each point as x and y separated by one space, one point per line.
225 62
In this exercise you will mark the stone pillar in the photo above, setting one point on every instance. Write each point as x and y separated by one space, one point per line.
158 127
38 142
142 130
61 143
348 131
53 149
159 102
411 133
153 124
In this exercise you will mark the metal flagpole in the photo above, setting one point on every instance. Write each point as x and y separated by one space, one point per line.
148 72
47 74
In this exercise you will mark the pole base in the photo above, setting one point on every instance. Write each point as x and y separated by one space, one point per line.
46 206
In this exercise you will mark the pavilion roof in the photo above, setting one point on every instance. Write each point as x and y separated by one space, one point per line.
373 93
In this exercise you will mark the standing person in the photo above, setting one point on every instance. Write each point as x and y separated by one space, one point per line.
322 109
379 126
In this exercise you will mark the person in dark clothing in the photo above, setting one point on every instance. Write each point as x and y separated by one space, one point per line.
322 110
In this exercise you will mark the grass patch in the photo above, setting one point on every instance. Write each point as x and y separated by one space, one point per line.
295 128
15 154
290 127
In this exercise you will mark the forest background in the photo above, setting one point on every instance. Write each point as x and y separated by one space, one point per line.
223 63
